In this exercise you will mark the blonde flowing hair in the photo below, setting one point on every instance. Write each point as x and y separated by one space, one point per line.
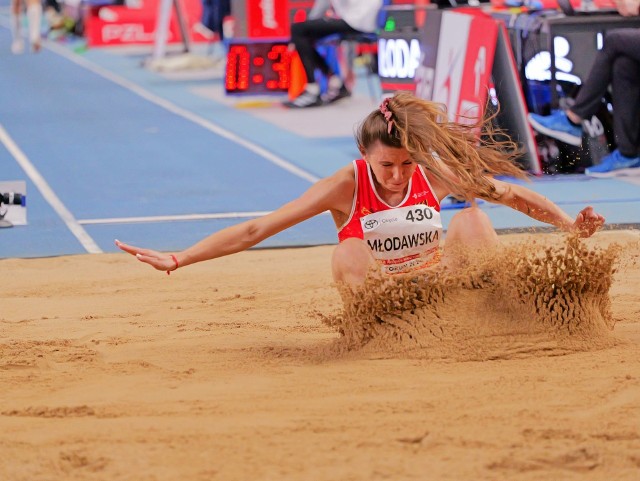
460 155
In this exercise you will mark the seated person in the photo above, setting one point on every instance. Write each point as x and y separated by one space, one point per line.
618 64
351 16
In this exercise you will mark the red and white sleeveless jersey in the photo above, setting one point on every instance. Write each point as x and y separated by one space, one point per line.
402 238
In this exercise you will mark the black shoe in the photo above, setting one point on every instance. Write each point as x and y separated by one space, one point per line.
333 95
304 100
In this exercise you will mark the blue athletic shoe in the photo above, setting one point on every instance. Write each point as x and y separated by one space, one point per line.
612 164
557 126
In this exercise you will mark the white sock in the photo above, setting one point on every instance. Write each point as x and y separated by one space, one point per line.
34 15
16 29
218 50
313 88
335 82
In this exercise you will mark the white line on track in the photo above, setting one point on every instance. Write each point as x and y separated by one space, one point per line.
49 195
175 218
204 123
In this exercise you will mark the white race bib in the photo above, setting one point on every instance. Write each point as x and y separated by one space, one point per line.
405 238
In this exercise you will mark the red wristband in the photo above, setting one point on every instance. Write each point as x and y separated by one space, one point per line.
175 260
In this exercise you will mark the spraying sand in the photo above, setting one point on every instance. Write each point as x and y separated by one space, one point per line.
522 300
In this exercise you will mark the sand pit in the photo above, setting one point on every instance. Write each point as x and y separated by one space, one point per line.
251 367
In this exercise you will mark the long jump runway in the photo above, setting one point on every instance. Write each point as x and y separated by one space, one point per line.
102 162
110 150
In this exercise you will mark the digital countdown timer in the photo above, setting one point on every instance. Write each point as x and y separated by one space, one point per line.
258 67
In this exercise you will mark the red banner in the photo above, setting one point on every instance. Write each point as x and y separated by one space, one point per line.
120 25
267 18
464 62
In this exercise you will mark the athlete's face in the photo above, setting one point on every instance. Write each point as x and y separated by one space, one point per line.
391 167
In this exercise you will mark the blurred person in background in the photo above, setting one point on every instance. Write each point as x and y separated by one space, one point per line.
34 17
616 65
348 17
210 25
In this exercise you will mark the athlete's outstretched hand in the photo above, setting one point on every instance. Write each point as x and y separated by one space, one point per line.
159 260
587 222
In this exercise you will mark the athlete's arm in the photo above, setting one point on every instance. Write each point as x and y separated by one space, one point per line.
522 199
536 206
333 193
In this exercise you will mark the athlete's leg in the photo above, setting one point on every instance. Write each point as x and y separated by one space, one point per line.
351 262
469 231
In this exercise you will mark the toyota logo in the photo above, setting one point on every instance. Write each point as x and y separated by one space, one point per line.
370 224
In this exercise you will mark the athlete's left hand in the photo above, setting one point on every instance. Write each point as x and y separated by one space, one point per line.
587 222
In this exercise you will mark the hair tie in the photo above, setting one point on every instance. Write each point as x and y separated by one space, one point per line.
384 108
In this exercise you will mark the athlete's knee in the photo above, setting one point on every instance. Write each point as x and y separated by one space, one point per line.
350 251
470 226
471 215
351 261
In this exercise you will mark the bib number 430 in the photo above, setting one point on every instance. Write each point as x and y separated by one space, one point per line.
419 214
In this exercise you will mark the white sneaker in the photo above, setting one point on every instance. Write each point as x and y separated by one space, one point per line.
17 46
203 30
